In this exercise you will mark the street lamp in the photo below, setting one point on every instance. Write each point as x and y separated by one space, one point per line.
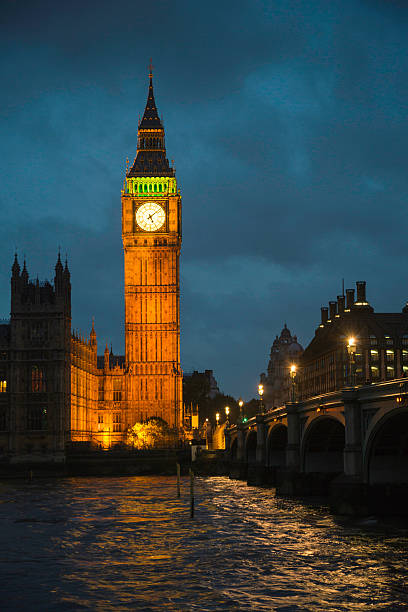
240 404
261 392
217 418
293 382
227 411
351 350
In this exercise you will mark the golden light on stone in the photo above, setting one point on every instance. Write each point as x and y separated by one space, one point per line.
351 344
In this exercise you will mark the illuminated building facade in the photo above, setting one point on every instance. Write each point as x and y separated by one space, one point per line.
381 346
151 233
55 391
285 351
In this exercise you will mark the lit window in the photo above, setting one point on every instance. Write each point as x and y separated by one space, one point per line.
374 355
3 386
117 421
37 380
390 372
388 340
405 340
390 355
375 373
373 340
404 356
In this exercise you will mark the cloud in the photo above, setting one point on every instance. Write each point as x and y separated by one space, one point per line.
286 121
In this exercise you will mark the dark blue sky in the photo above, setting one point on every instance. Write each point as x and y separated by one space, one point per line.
287 123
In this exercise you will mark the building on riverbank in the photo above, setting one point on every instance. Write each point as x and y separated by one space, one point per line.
55 391
381 346
285 351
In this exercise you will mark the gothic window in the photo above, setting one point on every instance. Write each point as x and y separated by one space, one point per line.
37 380
100 418
117 421
37 418
161 187
117 396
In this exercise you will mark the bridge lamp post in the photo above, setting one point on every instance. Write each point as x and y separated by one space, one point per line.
227 411
261 392
217 418
351 350
240 404
293 383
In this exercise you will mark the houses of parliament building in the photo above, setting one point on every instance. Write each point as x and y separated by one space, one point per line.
54 388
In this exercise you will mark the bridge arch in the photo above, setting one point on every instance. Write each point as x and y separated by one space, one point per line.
250 446
277 442
323 446
386 456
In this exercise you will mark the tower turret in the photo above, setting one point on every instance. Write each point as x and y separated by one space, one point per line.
106 358
92 335
15 269
59 277
15 282
24 274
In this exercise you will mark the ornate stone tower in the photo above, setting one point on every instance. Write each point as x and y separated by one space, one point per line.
151 233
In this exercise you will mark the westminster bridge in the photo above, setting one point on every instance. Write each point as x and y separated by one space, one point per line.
351 444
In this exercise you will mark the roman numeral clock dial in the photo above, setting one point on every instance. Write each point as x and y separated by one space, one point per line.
150 217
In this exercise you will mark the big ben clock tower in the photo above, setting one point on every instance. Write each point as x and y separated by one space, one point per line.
151 233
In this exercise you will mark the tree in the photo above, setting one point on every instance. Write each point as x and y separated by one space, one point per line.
152 433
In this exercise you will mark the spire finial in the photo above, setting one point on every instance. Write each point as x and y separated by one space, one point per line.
150 69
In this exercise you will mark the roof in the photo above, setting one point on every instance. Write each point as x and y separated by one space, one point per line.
151 119
150 161
113 361
359 323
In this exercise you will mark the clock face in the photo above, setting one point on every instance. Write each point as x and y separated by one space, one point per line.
150 216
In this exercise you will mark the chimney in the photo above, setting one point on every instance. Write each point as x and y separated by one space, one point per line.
361 291
333 310
340 304
325 314
350 298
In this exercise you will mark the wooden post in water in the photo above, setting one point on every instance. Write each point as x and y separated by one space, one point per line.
191 493
178 480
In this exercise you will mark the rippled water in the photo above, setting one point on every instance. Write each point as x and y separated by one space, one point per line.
129 544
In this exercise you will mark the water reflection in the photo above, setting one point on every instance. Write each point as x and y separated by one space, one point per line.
128 543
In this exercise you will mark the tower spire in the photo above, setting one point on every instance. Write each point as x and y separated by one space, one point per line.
151 157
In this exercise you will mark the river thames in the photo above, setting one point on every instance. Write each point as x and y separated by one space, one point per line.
129 544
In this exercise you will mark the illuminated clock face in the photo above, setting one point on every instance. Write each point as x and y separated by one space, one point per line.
150 217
